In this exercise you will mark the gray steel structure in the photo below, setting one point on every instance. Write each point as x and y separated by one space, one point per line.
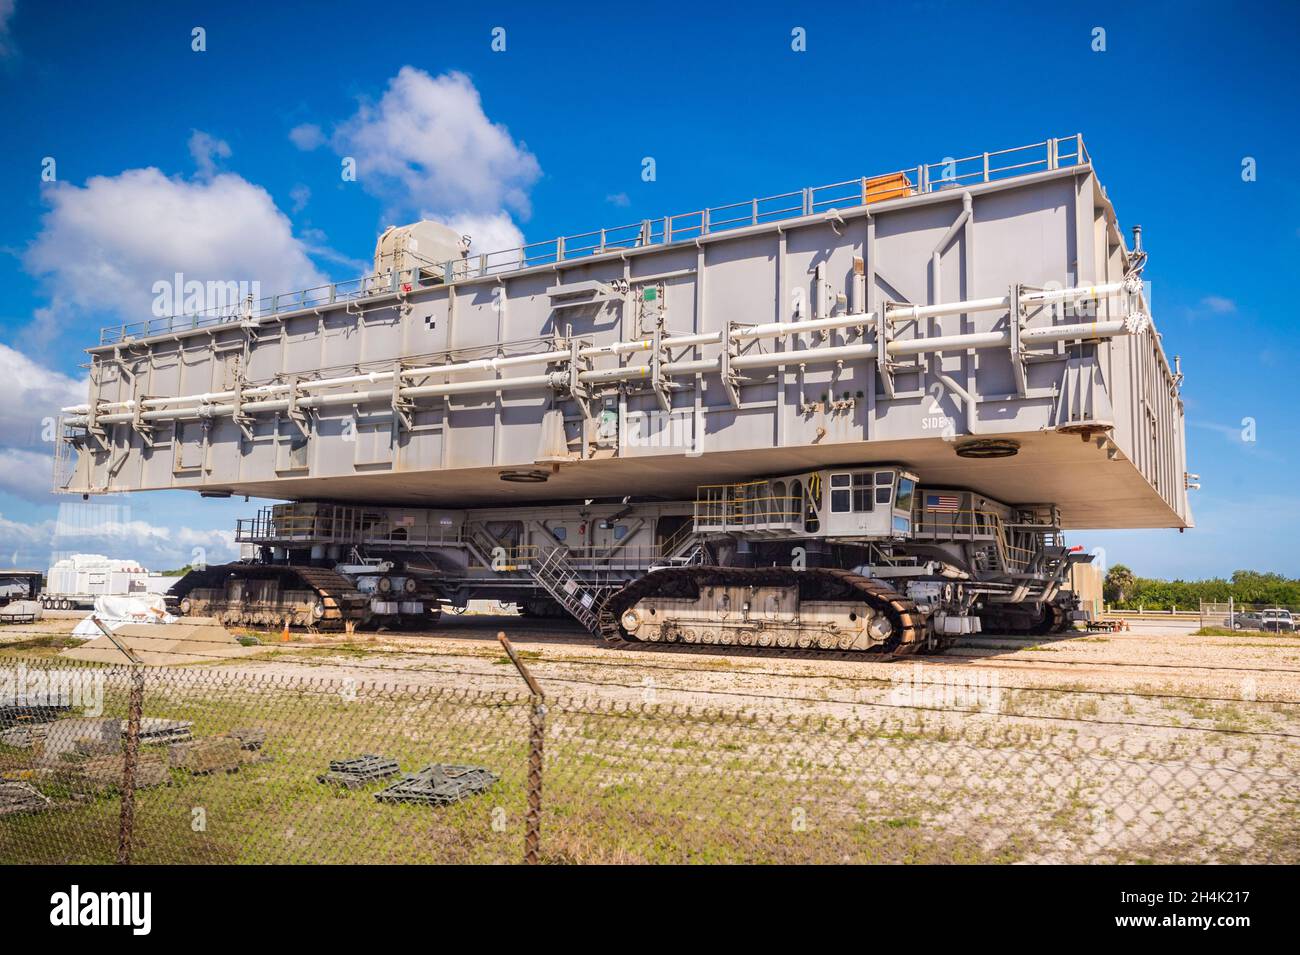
978 324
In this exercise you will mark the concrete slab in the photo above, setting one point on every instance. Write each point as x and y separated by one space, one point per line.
160 644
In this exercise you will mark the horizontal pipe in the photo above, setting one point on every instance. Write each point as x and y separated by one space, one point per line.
817 356
330 401
814 356
266 398
903 313
739 334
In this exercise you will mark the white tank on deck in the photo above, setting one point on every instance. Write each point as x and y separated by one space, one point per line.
425 245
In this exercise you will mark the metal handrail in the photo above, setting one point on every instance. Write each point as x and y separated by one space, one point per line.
685 226
744 505
678 538
591 558
975 524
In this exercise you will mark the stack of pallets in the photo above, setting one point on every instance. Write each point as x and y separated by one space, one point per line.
439 785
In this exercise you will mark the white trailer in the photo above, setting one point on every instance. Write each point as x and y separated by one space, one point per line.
74 582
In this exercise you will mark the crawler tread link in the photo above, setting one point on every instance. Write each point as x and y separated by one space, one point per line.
910 632
339 597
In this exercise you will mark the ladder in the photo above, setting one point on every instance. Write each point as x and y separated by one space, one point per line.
583 598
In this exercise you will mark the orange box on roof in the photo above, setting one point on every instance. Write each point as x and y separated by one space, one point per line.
894 186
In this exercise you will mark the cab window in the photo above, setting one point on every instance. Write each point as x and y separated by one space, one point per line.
862 493
856 493
884 487
841 500
906 487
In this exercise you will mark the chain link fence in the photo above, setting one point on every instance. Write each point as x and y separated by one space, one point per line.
121 763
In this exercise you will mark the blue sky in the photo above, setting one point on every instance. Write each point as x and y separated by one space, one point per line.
1180 96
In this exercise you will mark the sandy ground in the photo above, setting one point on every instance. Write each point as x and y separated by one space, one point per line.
1158 674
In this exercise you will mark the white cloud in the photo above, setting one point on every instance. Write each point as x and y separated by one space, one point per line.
27 474
300 195
28 393
428 148
1219 305
112 532
103 245
6 36
619 199
205 150
307 137
30 398
490 232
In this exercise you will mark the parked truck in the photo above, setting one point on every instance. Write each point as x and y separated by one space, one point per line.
849 419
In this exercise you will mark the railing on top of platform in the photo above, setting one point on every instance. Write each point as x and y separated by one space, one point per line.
948 173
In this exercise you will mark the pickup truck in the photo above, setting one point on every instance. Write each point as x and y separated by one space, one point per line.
1274 620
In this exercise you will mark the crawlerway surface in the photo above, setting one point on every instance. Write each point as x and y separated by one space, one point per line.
1135 676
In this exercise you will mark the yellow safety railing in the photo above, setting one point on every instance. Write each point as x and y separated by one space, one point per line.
747 505
976 524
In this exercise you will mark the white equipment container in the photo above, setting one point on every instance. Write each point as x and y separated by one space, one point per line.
76 581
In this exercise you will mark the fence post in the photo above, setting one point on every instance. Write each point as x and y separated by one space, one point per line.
533 819
536 742
130 759
131 752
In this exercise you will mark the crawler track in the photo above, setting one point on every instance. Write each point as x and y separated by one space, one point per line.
341 601
910 633
1055 620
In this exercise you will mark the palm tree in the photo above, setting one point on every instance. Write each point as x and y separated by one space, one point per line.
1119 584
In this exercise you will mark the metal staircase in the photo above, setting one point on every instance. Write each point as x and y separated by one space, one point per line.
582 597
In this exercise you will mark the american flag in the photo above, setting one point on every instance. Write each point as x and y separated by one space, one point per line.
942 502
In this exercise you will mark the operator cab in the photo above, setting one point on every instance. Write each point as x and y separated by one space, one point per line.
873 503
862 503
